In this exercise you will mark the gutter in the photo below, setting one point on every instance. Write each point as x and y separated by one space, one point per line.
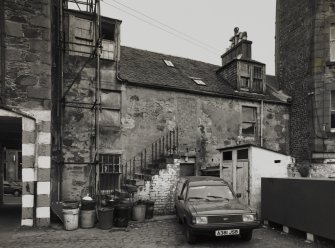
169 88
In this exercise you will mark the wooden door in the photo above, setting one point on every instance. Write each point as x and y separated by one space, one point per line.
242 180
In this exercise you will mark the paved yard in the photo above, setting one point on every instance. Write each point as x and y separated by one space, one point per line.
163 233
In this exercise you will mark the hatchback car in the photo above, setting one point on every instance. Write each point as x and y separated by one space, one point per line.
13 188
208 206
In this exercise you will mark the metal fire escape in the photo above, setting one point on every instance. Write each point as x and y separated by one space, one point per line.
92 8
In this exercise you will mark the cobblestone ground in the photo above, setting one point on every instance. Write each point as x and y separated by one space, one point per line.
164 233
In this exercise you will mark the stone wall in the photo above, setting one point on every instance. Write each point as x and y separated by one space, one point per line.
28 90
205 123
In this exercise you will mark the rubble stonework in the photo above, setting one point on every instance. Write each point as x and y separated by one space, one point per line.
28 97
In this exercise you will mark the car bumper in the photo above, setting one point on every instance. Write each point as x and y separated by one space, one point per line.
209 229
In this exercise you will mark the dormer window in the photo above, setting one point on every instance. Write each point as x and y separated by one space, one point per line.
198 81
168 63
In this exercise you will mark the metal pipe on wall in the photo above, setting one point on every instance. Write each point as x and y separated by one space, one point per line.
261 126
2 52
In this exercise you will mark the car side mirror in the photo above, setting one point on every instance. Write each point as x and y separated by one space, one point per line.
180 197
238 195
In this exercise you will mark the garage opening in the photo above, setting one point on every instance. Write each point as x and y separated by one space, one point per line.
10 172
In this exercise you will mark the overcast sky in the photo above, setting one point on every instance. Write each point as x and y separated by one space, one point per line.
209 21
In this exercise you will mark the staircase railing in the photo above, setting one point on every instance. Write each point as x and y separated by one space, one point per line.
150 157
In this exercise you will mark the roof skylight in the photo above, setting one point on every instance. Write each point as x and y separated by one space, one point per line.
168 63
198 81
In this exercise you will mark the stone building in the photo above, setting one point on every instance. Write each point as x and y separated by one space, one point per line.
25 110
91 116
305 55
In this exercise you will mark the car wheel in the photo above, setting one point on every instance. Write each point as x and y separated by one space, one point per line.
247 236
190 237
16 193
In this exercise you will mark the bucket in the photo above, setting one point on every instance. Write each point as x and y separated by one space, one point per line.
139 212
122 215
87 218
105 217
149 212
70 204
71 219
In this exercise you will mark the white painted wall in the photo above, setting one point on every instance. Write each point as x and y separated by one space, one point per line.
262 164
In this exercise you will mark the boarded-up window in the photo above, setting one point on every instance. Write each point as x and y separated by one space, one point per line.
111 99
332 42
110 118
81 33
81 38
108 49
249 121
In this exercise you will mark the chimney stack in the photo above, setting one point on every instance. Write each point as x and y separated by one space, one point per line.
240 47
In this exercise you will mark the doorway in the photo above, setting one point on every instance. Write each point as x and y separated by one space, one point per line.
10 172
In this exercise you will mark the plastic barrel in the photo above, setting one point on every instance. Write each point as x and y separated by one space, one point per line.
87 218
139 212
71 219
149 213
105 217
122 215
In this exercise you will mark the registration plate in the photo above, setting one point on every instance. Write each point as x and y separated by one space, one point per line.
227 232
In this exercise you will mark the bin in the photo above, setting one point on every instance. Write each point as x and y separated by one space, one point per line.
139 212
149 213
71 219
122 215
87 218
88 204
105 217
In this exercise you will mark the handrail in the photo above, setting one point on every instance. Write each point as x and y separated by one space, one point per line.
152 155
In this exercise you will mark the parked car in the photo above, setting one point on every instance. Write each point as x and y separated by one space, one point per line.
14 188
208 206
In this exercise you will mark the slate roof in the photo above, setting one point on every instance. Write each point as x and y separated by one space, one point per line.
145 68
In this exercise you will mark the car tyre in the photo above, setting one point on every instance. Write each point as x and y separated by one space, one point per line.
190 237
247 236
16 193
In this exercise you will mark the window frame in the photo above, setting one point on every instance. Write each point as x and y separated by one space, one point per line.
113 175
332 111
254 122
332 42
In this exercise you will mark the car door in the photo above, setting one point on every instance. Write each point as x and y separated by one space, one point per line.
181 202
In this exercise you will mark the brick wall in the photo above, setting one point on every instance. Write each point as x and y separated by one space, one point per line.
294 58
305 72
161 188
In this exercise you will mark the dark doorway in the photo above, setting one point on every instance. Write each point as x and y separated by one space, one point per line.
186 170
10 172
